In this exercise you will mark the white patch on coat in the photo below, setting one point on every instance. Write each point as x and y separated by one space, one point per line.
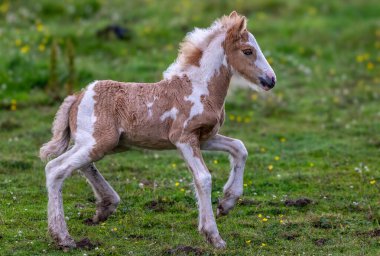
150 105
86 118
172 113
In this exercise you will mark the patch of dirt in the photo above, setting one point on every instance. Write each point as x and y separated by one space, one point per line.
10 124
320 241
323 223
290 236
134 236
371 233
158 205
184 250
301 202
247 202
90 222
85 243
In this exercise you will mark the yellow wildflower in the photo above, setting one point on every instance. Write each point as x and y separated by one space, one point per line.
281 221
264 220
232 117
41 47
359 58
282 140
248 241
238 119
370 65
18 42
215 161
245 184
270 167
263 150
254 96
174 165
259 215
311 164
276 158
114 229
263 244
372 182
39 27
25 49
247 120
4 7
182 190
13 105
177 184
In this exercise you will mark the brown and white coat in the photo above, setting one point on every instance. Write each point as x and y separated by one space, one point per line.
184 111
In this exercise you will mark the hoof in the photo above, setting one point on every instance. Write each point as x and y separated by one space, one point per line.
221 210
67 244
85 243
219 243
215 240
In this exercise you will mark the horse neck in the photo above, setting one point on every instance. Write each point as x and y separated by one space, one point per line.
212 77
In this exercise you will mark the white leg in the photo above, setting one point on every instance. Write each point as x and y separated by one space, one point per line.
57 171
106 197
233 189
202 180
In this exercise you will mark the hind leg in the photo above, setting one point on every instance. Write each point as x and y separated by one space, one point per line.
57 171
106 197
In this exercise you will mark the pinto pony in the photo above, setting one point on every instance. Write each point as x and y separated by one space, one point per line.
184 111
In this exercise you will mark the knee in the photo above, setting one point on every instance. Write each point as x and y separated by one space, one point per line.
204 180
241 150
54 176
116 200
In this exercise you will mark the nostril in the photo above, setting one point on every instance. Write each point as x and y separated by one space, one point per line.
273 81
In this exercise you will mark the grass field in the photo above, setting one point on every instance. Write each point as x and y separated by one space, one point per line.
315 136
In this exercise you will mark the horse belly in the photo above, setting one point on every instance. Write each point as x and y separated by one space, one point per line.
146 135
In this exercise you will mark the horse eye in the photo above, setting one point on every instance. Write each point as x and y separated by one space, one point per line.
247 52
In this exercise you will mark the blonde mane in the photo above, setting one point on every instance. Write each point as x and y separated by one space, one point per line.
192 47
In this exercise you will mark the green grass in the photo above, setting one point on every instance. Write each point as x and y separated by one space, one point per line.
322 120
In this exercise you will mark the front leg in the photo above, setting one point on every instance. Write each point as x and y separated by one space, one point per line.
191 153
233 189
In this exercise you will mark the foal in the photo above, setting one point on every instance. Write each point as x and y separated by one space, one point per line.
184 111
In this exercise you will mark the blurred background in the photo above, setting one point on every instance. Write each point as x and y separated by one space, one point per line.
315 135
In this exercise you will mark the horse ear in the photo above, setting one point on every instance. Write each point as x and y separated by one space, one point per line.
233 14
242 24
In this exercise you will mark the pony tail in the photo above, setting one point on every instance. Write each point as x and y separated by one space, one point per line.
61 131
